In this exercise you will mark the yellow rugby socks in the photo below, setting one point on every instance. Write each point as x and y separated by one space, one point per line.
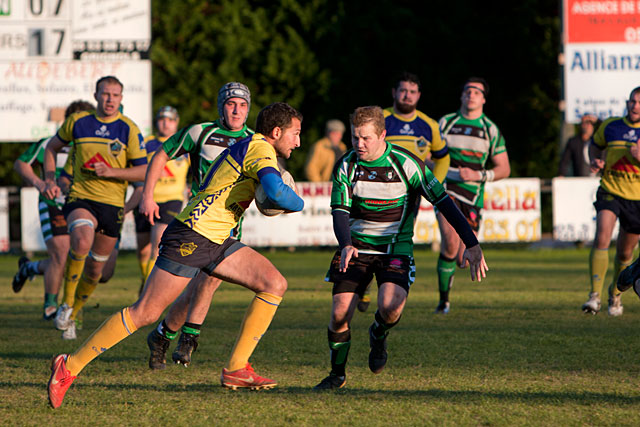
85 288
598 264
111 332
72 271
255 324
618 266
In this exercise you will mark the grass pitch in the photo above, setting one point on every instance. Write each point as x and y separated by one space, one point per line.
515 350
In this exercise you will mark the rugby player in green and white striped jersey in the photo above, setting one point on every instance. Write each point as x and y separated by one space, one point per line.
203 142
376 188
474 142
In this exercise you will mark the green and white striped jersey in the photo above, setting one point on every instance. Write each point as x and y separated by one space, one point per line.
35 155
471 144
382 198
203 142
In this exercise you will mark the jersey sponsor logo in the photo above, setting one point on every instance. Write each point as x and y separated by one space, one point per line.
187 249
376 202
115 147
406 130
103 131
624 165
630 136
166 172
90 164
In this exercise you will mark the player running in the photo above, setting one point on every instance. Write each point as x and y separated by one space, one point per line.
52 222
478 155
203 143
108 154
198 239
617 198
376 188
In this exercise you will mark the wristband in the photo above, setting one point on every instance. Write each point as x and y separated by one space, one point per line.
490 175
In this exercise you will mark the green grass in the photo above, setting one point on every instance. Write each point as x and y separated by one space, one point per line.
515 350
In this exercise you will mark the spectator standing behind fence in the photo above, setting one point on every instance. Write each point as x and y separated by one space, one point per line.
580 150
325 152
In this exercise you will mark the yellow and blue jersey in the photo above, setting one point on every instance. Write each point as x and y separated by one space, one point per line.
117 142
621 175
173 180
420 134
228 188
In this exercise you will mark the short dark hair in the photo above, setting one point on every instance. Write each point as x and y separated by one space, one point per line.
634 91
76 106
278 114
480 80
407 77
108 79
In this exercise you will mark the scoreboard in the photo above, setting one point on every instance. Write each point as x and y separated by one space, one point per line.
53 51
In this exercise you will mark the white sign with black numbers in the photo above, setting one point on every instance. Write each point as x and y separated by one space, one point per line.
53 51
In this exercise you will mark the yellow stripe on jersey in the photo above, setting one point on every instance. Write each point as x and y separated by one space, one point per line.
621 175
228 188
116 142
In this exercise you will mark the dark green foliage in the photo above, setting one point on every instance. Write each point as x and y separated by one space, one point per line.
327 57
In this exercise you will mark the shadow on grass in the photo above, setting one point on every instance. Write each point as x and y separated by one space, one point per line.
448 396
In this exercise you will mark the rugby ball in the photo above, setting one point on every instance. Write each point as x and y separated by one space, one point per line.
266 206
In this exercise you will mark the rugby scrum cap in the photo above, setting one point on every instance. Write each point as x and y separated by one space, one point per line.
167 111
232 90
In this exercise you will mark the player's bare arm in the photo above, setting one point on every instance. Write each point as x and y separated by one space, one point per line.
25 170
131 174
51 189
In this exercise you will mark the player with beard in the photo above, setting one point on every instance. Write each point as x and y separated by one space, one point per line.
617 198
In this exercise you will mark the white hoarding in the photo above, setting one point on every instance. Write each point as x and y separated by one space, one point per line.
29 90
598 78
53 51
601 56
512 214
574 217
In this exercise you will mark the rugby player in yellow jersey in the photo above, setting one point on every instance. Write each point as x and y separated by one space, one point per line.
202 142
617 198
410 128
169 192
108 154
198 239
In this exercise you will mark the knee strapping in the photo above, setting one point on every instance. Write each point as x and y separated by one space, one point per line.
81 222
98 258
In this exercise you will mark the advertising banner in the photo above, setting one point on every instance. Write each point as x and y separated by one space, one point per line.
574 217
601 56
